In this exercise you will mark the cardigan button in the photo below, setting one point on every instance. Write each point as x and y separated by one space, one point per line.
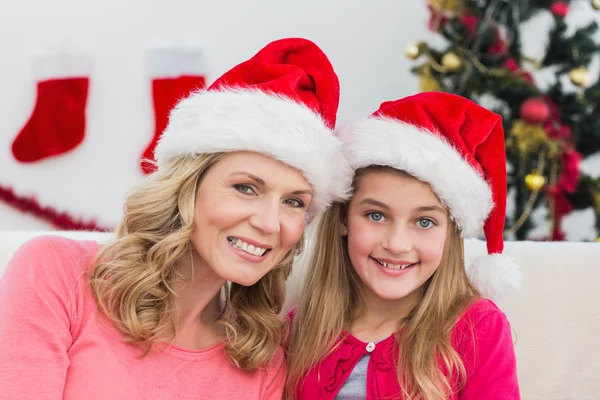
370 347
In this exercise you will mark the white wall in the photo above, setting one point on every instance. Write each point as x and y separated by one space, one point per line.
365 44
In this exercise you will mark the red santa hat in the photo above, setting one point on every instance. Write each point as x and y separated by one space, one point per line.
282 102
457 147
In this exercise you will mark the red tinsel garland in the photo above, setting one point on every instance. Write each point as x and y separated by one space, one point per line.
60 220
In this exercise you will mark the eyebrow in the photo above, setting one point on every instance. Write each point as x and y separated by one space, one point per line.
432 208
262 182
377 203
374 202
253 177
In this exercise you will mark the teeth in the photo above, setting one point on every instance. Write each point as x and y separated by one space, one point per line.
248 248
393 266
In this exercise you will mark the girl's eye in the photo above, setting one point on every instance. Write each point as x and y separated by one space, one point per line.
375 216
244 189
296 203
425 223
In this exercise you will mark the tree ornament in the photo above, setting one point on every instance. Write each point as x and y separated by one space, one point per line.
535 111
598 239
534 181
559 9
414 50
579 76
451 61
529 139
427 81
453 7
596 4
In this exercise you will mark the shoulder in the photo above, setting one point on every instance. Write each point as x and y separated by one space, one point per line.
53 257
481 311
482 321
53 247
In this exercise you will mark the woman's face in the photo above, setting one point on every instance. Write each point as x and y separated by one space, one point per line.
249 213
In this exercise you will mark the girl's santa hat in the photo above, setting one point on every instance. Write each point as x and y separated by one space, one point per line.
282 103
457 147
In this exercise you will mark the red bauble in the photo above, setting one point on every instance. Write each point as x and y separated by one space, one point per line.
535 111
559 9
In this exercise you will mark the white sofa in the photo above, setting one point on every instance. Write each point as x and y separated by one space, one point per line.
556 320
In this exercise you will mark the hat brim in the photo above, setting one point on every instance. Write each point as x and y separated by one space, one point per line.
236 119
426 156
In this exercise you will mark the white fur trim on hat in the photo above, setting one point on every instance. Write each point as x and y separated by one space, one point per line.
426 156
496 276
212 121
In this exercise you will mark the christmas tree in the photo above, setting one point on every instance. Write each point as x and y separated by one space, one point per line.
548 131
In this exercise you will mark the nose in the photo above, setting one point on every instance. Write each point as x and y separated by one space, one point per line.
397 240
266 217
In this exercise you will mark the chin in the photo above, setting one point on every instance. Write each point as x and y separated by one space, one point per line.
245 281
392 293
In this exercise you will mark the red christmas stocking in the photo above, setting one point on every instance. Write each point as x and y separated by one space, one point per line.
57 123
175 74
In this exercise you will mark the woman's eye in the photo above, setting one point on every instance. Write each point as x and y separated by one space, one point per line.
425 223
375 216
244 189
296 203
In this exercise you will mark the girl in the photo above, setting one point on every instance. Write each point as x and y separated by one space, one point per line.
387 310
241 166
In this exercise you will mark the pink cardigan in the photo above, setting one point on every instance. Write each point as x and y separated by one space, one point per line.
482 338
54 344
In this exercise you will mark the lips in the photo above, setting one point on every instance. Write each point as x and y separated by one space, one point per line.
249 248
394 266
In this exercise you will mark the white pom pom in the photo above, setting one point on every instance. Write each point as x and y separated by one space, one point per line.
496 276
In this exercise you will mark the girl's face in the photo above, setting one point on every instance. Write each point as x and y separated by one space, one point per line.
396 229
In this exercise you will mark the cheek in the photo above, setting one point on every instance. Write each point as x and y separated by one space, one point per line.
362 238
218 210
433 247
291 231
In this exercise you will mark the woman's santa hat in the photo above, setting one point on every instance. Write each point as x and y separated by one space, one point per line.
457 147
282 103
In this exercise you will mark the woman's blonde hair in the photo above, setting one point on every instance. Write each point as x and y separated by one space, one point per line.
331 295
132 278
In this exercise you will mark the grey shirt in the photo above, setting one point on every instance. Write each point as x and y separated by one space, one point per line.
355 387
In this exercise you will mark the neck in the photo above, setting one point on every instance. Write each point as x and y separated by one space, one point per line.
380 317
198 301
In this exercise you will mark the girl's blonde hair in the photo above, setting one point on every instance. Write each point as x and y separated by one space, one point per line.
132 278
331 296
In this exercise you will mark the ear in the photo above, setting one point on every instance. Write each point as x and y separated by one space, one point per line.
343 226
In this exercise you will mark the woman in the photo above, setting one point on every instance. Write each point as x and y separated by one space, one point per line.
241 167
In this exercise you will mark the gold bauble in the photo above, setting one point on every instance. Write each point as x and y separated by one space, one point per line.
451 61
579 76
596 4
598 239
427 81
529 139
596 198
534 181
453 7
414 50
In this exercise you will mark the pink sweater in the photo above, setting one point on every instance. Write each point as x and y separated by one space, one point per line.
54 344
482 337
